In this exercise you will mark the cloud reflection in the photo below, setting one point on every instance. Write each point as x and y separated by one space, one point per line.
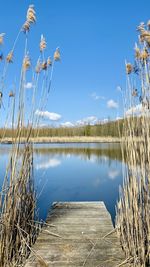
112 174
51 163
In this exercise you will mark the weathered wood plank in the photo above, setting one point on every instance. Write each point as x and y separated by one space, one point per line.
76 239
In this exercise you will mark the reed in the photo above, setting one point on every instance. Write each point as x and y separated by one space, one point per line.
133 207
18 212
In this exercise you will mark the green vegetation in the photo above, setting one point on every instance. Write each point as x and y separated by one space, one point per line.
109 129
110 151
103 130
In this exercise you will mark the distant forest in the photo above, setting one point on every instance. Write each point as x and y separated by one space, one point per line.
106 129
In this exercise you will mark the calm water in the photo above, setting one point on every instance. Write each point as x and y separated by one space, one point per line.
73 172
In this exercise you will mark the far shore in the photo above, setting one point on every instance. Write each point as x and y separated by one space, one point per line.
66 139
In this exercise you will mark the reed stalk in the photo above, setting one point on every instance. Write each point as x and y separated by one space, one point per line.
133 207
18 227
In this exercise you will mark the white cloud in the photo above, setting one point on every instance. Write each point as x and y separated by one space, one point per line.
48 115
28 85
112 104
97 97
89 120
104 121
112 174
51 163
42 125
134 110
118 118
67 124
93 159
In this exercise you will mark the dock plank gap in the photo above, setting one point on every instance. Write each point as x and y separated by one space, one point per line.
75 234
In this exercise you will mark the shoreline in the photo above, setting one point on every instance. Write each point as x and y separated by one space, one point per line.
74 139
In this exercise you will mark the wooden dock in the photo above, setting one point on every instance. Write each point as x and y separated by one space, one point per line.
75 236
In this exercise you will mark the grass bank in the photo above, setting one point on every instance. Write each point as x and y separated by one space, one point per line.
72 139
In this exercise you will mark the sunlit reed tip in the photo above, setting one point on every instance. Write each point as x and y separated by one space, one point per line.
26 62
129 68
144 54
9 57
144 36
44 65
57 54
31 15
42 43
49 62
26 26
141 26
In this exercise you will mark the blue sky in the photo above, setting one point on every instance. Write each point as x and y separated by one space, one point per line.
95 37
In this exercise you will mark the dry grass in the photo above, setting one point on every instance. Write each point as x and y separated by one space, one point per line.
133 209
18 209
67 139
18 229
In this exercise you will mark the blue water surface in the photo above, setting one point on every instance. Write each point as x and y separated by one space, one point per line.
73 172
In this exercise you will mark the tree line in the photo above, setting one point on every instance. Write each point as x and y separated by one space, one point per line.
112 128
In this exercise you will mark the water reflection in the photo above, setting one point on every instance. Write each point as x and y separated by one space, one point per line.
111 151
48 163
74 172
113 173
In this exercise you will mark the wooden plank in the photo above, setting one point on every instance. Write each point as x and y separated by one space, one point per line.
76 238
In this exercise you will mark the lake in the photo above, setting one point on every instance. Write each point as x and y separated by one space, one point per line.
74 172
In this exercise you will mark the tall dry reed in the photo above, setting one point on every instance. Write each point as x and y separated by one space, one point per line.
18 229
133 208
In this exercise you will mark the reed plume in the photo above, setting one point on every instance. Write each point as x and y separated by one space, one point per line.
26 62
57 54
31 15
26 26
49 62
9 57
42 43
